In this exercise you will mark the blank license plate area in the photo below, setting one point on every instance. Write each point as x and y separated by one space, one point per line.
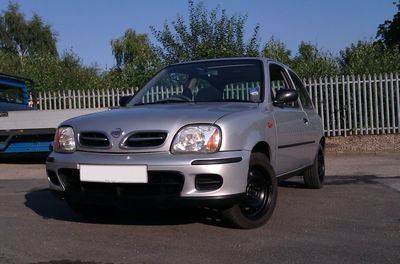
114 173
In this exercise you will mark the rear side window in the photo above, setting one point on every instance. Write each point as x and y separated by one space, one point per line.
278 80
303 94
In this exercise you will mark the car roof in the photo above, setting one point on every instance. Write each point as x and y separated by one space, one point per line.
223 59
264 59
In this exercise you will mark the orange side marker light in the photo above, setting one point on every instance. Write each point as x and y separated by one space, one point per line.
270 124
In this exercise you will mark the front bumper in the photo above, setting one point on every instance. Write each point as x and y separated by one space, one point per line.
231 167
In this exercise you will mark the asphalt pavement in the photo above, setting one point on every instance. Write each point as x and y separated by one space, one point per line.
355 218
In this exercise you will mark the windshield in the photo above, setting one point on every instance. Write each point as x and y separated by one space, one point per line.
215 81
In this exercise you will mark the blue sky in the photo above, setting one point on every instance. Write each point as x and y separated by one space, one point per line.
87 26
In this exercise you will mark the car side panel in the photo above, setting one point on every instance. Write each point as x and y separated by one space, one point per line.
314 132
243 131
293 147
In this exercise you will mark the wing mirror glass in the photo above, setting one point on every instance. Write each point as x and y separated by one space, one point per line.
286 95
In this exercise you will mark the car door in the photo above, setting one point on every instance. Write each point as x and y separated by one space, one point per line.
290 120
313 127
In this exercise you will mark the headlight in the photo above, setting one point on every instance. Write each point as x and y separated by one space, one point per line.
64 140
197 139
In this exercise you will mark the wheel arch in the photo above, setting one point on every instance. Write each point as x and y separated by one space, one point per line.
322 142
262 147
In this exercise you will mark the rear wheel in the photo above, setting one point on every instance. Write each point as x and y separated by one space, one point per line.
260 198
314 176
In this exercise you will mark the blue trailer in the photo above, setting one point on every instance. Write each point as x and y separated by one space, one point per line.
14 96
14 93
23 129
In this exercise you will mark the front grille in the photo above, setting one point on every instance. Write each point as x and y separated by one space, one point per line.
159 183
93 139
144 140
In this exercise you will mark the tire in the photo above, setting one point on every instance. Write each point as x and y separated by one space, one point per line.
314 176
91 210
260 198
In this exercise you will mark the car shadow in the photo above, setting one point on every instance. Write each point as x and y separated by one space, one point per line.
357 179
297 182
66 261
293 182
44 204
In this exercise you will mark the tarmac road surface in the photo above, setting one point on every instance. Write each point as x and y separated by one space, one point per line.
355 218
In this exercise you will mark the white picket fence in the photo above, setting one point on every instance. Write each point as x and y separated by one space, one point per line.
357 105
348 105
81 99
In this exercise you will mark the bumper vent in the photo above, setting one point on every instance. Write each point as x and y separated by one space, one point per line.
144 140
53 177
208 182
93 139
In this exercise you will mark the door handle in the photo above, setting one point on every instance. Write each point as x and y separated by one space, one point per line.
305 120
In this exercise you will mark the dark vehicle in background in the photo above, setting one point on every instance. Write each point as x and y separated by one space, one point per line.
14 93
14 96
23 128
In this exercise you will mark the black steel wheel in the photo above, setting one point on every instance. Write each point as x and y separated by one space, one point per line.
257 193
314 176
260 196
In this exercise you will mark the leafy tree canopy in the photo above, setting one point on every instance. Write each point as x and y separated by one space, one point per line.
25 37
369 57
135 58
389 32
131 48
208 34
313 62
310 61
276 50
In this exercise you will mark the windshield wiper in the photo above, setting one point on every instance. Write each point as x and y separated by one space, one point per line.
231 100
166 101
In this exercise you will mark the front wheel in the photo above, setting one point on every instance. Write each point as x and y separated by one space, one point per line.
260 198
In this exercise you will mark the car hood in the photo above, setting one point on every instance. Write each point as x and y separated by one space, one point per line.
158 117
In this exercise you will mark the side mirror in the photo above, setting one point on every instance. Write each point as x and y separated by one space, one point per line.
286 95
124 100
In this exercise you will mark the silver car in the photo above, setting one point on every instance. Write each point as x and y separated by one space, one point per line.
215 133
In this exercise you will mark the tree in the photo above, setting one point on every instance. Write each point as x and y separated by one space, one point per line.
28 48
135 59
309 61
25 38
276 50
312 62
389 32
54 73
208 34
369 57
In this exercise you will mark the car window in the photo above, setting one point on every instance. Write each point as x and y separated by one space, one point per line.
240 90
213 81
279 80
303 94
11 94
